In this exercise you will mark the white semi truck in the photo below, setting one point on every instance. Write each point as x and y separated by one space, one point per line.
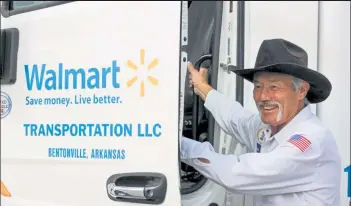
94 95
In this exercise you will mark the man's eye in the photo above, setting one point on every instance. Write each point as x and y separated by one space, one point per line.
274 87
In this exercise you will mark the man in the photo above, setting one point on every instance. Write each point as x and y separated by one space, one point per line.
294 159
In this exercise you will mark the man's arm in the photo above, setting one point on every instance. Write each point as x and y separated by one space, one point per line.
230 115
233 118
284 170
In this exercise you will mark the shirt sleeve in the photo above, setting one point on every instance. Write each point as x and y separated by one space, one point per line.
284 170
233 118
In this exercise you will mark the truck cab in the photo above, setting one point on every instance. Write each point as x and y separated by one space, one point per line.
95 95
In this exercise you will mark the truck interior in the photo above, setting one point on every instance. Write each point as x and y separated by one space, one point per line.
204 33
204 27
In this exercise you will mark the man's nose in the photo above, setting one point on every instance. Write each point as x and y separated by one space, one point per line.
264 94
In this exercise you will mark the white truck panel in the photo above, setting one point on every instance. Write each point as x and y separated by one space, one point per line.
334 62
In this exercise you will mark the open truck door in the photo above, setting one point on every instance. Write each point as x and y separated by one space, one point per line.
90 103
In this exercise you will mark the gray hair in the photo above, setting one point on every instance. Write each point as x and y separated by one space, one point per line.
297 83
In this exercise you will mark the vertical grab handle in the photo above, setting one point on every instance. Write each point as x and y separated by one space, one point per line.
195 112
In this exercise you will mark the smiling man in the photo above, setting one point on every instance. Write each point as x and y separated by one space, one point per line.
293 158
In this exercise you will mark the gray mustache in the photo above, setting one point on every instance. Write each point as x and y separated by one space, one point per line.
268 103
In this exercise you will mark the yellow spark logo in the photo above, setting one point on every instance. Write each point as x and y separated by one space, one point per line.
4 191
149 67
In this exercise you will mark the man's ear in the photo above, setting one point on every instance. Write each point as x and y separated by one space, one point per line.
303 90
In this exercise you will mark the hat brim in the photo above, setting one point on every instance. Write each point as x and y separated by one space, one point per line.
320 86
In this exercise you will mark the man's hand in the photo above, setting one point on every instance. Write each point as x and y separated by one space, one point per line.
196 77
197 80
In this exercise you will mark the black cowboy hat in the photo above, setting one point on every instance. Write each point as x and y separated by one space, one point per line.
282 56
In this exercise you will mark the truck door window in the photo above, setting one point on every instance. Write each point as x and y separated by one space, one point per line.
10 8
21 4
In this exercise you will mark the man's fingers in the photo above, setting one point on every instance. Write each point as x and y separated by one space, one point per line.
191 67
203 71
190 83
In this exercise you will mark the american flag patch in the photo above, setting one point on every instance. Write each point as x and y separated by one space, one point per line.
300 142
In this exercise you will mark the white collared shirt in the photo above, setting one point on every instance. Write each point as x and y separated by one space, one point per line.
298 166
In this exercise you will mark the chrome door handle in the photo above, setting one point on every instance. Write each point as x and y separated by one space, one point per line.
126 192
137 187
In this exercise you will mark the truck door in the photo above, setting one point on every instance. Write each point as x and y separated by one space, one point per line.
90 103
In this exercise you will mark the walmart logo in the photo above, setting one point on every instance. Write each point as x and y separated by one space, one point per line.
142 70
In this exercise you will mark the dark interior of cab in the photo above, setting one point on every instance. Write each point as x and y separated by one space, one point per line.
196 125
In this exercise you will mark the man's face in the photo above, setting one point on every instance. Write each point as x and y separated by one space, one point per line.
275 97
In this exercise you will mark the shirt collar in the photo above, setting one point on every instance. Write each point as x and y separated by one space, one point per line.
285 133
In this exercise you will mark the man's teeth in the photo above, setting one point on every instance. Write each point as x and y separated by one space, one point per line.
269 107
